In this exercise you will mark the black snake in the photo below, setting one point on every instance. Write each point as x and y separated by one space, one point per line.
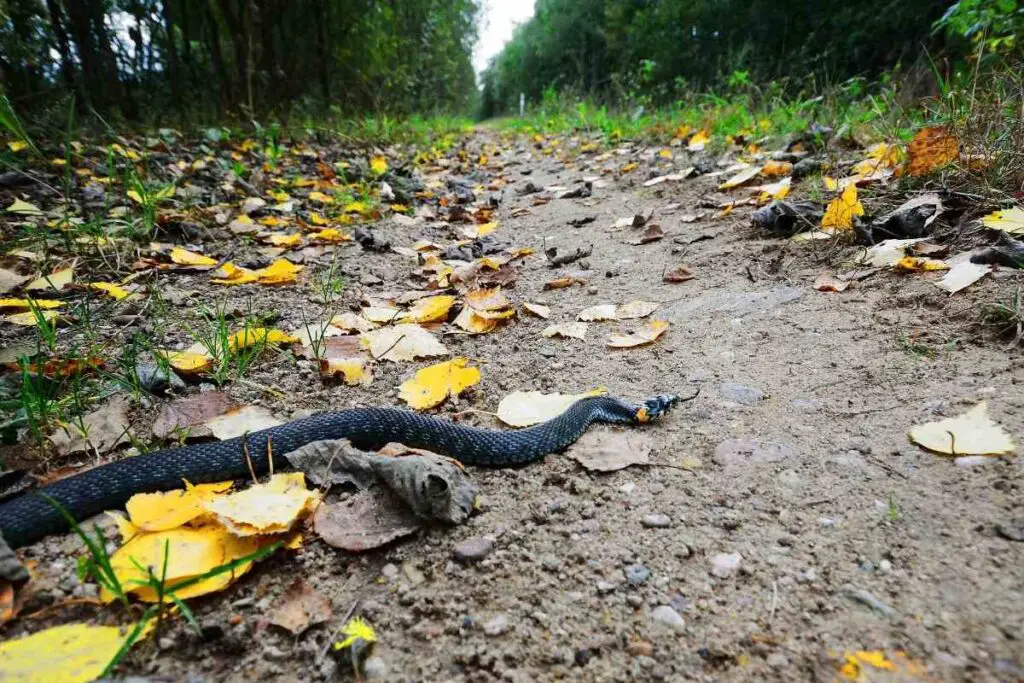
30 517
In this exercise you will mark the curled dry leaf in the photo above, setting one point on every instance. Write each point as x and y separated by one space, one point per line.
635 309
744 176
471 321
350 322
525 408
826 282
539 310
918 264
645 335
562 282
402 343
652 233
678 274
101 430
973 433
431 385
963 275
367 520
576 330
597 313
429 309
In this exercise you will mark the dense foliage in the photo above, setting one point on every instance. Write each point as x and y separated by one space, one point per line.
139 58
664 48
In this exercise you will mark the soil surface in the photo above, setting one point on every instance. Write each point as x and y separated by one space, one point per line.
785 518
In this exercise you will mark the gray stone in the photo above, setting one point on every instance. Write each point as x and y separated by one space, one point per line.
605 587
375 669
389 571
473 549
497 625
777 660
725 565
741 394
548 351
656 521
636 574
1012 530
663 614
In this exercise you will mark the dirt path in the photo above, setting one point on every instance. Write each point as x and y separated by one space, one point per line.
804 525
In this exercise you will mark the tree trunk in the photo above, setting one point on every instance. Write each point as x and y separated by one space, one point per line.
67 69
171 48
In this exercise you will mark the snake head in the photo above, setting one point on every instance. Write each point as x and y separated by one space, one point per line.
654 408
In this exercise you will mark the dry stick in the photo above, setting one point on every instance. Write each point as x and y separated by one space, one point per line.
248 458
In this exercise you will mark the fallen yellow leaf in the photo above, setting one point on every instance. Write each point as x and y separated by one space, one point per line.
251 336
433 384
379 165
355 371
270 508
1009 220
172 509
914 264
525 408
23 208
188 362
402 343
566 330
283 240
26 304
774 169
110 289
698 141
973 433
230 274
471 321
183 257
71 653
429 309
539 310
189 553
57 280
280 272
841 210
645 335
28 319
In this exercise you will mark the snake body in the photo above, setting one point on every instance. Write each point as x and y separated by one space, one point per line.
30 517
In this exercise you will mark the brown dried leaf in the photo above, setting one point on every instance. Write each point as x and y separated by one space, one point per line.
367 520
104 429
191 413
607 450
299 607
678 274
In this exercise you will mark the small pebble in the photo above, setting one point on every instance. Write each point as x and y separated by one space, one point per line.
473 549
656 521
640 648
605 587
636 574
663 614
375 669
497 625
777 660
725 565
389 571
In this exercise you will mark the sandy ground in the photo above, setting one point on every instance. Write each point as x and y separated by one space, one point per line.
794 459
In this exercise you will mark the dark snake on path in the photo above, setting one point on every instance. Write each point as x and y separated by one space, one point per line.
30 516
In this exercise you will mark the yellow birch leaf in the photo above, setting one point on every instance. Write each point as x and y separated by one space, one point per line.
432 385
282 240
270 508
251 336
183 257
973 433
17 145
280 272
172 509
525 408
1009 220
355 371
28 319
70 653
379 165
57 280
23 208
317 219
26 304
429 309
317 196
332 235
470 321
230 274
645 335
597 313
841 210
402 343
914 264
116 292
698 141
188 362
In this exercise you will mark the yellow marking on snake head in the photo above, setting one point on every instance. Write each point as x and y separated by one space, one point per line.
642 415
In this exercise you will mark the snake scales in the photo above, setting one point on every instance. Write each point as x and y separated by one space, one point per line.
29 517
